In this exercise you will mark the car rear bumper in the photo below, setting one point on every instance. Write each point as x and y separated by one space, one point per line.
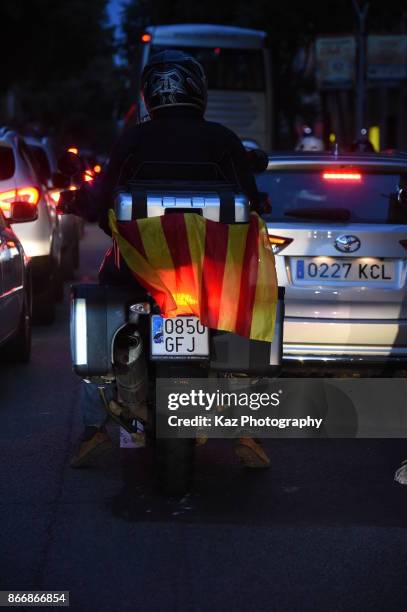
344 340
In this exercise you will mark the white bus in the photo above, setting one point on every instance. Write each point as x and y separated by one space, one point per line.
238 66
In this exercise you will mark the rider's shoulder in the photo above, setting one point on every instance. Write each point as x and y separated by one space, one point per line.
222 130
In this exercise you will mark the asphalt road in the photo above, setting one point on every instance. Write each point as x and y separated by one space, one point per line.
323 530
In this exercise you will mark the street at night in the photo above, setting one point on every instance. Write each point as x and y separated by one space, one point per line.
203 305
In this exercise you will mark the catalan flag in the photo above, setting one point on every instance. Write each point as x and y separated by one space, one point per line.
223 274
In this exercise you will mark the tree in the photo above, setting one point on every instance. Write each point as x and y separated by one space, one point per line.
60 66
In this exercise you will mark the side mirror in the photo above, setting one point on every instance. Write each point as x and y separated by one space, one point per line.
71 164
22 212
402 196
258 160
60 181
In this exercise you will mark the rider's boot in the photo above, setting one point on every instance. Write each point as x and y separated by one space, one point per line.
94 442
251 453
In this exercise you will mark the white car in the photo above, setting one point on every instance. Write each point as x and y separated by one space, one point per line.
41 239
339 229
71 227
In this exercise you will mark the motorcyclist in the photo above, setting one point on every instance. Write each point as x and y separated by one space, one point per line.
174 90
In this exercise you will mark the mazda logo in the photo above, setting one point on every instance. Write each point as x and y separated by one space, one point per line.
347 244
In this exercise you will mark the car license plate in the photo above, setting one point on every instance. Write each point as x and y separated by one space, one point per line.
184 337
352 270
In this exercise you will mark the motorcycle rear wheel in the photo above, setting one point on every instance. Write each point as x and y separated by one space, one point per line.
174 460
175 457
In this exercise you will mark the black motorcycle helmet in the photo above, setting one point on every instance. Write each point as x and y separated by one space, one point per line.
173 78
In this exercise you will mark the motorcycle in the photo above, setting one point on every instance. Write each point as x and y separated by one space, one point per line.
119 336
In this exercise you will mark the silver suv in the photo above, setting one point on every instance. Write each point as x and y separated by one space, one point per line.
339 229
41 239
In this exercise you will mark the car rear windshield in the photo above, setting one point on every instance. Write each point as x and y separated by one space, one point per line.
231 69
327 195
7 163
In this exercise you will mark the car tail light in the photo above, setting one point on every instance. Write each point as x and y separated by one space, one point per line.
28 194
146 37
31 195
88 176
55 196
278 243
341 177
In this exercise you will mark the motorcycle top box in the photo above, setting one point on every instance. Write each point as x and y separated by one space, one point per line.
215 201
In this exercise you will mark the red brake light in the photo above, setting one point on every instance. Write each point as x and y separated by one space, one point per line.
355 177
55 196
31 195
146 37
28 194
278 243
88 176
6 200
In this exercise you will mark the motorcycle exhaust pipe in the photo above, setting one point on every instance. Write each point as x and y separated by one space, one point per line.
131 374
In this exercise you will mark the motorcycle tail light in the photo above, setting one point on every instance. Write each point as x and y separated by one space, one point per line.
278 243
31 195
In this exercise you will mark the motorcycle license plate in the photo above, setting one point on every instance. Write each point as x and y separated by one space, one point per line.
177 337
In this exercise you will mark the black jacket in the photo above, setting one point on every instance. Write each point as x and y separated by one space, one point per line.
175 135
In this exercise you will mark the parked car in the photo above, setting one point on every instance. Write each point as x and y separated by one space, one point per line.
70 226
15 272
40 238
339 230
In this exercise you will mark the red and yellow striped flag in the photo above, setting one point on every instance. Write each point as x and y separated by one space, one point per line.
223 274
